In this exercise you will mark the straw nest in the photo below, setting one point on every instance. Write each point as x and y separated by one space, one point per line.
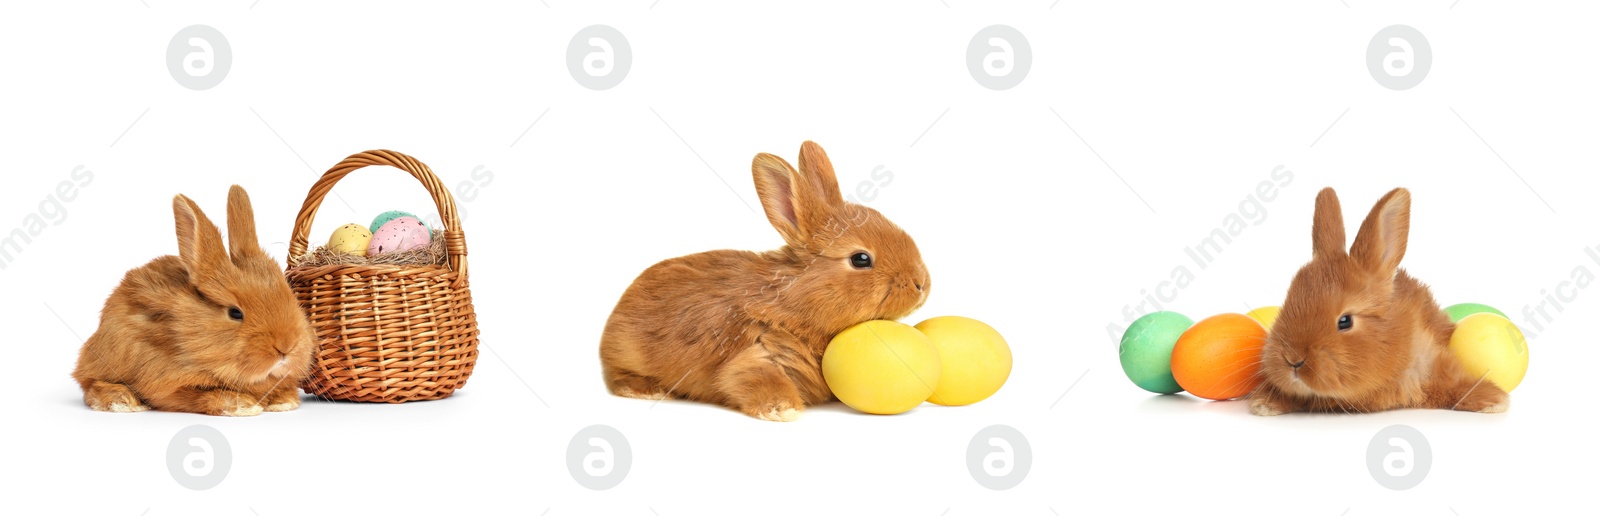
433 254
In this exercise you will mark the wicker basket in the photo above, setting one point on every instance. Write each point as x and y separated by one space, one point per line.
387 333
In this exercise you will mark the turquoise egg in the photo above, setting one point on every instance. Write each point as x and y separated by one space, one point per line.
1460 311
1146 350
387 216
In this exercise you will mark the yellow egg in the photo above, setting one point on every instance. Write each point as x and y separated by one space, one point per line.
976 359
1491 345
881 367
350 239
1265 315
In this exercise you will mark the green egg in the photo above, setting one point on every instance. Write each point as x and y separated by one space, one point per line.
1146 350
1457 312
387 216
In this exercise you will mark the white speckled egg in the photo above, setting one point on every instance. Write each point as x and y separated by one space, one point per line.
350 239
401 234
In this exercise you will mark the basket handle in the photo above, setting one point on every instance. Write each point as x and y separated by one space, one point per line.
455 243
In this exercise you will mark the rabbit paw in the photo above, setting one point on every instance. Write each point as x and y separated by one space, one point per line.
1497 408
283 400
242 411
121 407
1266 407
780 412
630 393
1494 403
108 397
228 403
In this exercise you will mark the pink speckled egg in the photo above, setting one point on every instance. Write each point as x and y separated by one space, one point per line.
401 234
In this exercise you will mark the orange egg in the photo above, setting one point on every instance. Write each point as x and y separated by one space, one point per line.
1219 357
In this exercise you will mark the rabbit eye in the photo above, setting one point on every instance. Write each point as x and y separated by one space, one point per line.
1344 322
235 313
861 260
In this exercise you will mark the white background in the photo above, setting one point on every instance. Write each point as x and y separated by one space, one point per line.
1176 110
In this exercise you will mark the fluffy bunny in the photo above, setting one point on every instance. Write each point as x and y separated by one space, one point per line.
1358 334
214 330
747 330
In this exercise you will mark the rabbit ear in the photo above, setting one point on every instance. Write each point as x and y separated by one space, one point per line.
1381 242
241 224
818 171
780 196
799 203
1327 226
199 242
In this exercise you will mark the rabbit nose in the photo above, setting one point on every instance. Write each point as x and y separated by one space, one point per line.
919 286
1296 365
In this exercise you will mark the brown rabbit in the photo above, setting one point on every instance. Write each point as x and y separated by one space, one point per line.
1358 334
747 330
214 330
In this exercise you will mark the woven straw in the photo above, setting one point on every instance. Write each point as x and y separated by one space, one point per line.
387 333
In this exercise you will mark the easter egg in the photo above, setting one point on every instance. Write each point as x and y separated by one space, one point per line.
401 234
1265 315
976 360
1219 357
1146 350
1491 346
1460 311
881 367
350 239
385 217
